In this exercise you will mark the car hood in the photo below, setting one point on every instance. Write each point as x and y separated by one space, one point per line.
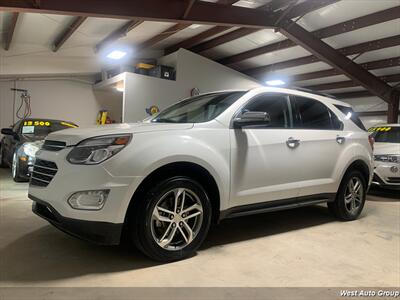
74 135
386 148
31 138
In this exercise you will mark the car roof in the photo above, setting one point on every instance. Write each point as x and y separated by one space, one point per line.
303 93
294 91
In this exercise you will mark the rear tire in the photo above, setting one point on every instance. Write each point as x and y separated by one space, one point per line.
172 220
350 198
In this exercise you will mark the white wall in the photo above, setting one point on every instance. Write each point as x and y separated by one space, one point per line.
58 99
193 71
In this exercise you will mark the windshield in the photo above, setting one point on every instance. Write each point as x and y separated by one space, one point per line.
386 134
198 109
44 127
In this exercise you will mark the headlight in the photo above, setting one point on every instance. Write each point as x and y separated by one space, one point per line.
387 158
96 150
31 148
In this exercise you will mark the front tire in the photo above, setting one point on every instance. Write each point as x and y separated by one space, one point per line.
172 221
350 198
15 169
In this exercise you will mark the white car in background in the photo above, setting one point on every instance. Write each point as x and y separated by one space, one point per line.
386 155
214 156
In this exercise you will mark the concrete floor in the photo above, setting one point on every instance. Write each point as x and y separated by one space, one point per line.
298 248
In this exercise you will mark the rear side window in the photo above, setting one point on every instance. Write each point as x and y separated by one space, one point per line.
312 114
350 114
275 105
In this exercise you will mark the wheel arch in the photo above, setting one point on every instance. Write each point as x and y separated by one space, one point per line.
359 165
179 168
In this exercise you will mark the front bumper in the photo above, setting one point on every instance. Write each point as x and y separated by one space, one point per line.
387 175
102 233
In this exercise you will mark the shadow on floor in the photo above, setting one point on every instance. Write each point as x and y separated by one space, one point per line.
385 195
267 224
47 254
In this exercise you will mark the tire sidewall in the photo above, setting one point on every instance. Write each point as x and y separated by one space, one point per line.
343 212
148 243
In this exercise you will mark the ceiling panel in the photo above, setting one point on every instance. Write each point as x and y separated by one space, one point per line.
92 31
248 42
145 31
343 10
322 80
274 57
183 35
365 34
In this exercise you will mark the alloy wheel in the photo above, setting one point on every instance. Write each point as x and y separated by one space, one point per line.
176 219
353 195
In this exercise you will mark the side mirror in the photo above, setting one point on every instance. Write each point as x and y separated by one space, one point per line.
250 118
7 131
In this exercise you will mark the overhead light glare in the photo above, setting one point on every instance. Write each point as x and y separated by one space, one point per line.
275 82
116 54
348 116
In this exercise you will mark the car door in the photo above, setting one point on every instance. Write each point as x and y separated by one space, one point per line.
262 165
321 141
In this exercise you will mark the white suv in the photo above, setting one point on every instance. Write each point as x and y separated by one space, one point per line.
219 155
386 155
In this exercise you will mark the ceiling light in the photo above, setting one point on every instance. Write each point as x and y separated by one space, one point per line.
194 26
119 89
275 82
116 54
348 116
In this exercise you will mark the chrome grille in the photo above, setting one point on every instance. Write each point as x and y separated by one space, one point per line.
43 172
53 145
393 179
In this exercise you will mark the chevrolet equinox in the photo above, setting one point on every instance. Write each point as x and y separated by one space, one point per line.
164 181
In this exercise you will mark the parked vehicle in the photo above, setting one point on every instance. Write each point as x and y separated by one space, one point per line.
21 141
386 155
213 156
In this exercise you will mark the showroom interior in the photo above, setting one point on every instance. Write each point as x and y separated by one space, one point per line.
95 63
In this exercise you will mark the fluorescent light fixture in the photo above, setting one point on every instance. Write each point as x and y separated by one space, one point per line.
194 26
275 82
348 116
116 54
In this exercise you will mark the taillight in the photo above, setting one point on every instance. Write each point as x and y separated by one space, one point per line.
371 142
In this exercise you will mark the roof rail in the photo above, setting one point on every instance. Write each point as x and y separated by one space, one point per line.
314 92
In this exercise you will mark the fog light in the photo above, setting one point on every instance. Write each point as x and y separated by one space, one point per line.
88 200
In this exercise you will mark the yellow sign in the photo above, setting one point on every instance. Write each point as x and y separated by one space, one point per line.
37 123
374 129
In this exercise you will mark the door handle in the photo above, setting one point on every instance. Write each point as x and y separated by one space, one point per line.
340 139
292 143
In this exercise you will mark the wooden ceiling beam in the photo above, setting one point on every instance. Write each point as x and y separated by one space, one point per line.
259 72
348 95
67 33
296 11
343 27
349 83
338 61
162 36
371 65
10 28
152 10
117 34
